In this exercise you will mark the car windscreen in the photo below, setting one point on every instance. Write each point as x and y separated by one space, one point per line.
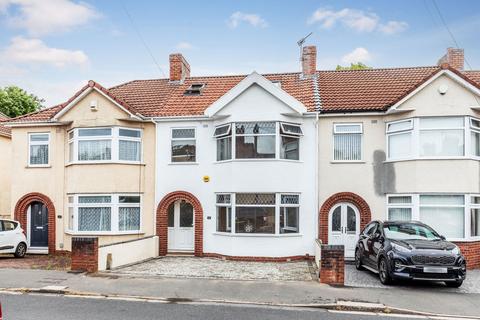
409 231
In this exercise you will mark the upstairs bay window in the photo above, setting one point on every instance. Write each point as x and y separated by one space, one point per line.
104 214
433 137
258 140
258 213
105 145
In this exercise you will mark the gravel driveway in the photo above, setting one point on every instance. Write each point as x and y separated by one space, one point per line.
211 268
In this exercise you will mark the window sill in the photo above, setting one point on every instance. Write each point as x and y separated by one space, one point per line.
261 235
257 160
103 233
38 166
346 161
104 162
183 163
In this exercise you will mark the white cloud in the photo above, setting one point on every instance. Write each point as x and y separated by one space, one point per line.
357 55
392 27
357 20
253 19
35 51
40 17
184 45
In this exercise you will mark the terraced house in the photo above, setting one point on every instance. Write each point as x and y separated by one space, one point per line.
253 166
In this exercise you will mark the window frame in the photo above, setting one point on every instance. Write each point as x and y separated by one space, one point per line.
114 138
114 206
415 131
467 205
278 140
335 132
183 139
38 143
277 205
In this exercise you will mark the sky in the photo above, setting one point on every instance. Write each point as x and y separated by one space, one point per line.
51 48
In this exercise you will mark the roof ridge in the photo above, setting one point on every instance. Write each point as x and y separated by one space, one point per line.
381 69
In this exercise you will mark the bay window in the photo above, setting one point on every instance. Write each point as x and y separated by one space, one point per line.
347 141
112 144
258 213
455 216
258 140
433 137
183 145
104 214
38 145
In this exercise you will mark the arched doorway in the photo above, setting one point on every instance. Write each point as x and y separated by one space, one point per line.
332 202
36 214
344 227
180 223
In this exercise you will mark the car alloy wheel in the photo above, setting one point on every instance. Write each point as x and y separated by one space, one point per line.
383 272
21 250
358 260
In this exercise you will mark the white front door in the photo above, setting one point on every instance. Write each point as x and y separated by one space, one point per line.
344 227
180 226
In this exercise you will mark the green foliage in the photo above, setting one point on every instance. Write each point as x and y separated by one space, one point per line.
354 66
15 101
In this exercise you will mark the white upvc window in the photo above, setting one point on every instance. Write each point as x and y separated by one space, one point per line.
433 138
347 142
104 213
258 140
258 213
455 216
105 144
38 149
184 143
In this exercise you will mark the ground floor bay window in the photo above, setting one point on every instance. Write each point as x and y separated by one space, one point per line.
455 216
104 214
257 213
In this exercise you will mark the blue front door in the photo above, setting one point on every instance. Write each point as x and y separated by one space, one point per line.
38 225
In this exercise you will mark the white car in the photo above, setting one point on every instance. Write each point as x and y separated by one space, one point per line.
12 238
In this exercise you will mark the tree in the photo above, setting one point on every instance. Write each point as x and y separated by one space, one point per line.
354 66
15 101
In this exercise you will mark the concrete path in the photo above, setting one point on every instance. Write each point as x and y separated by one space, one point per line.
259 292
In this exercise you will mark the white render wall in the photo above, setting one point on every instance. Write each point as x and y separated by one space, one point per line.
255 104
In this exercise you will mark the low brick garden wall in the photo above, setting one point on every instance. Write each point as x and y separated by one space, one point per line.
332 264
84 254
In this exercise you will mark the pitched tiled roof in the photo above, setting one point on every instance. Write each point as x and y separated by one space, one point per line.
4 131
157 98
339 91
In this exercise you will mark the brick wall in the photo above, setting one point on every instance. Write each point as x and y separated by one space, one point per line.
454 58
309 60
179 67
471 251
332 265
85 254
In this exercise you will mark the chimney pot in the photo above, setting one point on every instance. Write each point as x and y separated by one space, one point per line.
309 60
179 67
454 58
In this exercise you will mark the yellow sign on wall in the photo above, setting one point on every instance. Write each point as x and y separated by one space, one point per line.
206 179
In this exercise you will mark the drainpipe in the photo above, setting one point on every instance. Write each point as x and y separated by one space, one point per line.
317 176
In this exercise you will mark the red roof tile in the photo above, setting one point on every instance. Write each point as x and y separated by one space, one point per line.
4 131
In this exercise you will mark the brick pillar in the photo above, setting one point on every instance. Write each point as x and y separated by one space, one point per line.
85 254
454 58
309 61
332 265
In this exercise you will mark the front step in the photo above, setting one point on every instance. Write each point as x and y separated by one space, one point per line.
180 254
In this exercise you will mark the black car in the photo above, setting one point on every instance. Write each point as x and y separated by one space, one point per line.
409 250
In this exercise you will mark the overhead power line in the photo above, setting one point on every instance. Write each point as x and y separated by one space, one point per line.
147 48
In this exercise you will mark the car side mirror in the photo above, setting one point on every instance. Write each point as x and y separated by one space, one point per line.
443 238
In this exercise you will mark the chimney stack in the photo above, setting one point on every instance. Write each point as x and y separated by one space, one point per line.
454 58
179 67
309 60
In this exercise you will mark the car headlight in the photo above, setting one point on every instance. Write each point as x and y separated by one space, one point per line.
456 251
400 248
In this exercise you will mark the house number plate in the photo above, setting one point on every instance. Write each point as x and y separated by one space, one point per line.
434 270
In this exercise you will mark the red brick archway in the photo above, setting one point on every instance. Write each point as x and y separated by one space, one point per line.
162 220
21 215
359 202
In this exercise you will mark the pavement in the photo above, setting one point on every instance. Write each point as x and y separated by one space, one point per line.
261 292
27 307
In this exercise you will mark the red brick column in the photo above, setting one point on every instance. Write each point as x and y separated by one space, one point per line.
359 202
21 215
162 220
84 254
332 265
